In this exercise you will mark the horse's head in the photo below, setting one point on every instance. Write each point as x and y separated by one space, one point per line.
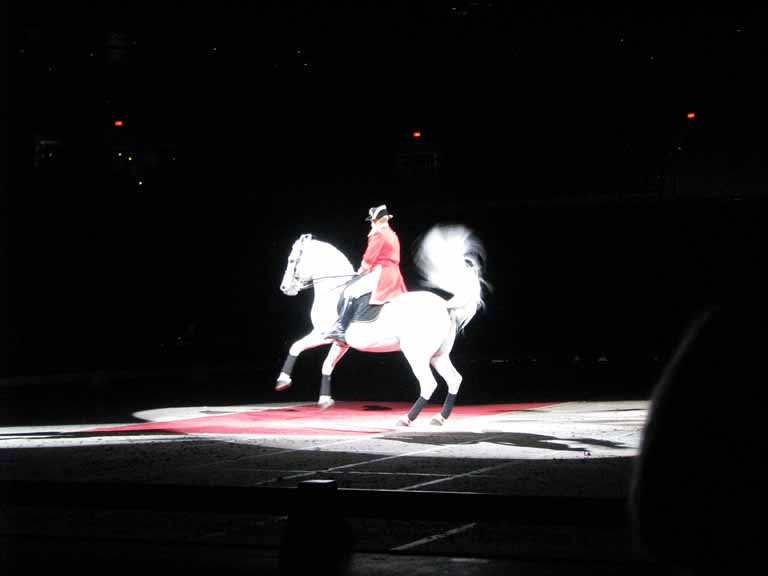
297 273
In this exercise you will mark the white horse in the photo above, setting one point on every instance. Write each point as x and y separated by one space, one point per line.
421 324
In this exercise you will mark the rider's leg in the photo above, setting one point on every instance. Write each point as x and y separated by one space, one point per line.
340 328
361 286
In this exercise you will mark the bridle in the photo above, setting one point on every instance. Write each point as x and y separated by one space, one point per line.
305 284
295 278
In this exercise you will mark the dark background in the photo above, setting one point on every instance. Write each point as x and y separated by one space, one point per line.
559 133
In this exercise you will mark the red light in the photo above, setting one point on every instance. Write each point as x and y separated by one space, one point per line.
691 115
416 134
118 123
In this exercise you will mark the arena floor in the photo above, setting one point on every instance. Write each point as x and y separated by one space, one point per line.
540 487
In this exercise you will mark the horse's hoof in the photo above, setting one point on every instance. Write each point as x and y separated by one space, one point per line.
404 421
438 420
283 383
325 404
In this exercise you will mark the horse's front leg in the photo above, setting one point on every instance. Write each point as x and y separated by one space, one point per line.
334 355
311 340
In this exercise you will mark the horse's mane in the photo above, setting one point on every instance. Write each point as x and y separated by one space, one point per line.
333 258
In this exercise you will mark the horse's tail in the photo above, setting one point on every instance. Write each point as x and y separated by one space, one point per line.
450 258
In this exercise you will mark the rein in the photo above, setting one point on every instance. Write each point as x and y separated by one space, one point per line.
336 276
311 283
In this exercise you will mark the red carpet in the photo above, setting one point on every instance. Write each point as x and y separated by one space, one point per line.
345 418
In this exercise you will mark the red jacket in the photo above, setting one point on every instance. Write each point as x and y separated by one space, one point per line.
384 250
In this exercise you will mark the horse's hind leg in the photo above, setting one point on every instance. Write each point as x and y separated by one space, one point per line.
421 369
334 355
448 371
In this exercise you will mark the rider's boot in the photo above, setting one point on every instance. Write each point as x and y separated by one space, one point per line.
340 328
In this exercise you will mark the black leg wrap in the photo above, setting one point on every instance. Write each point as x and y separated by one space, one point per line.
325 385
448 405
417 407
288 364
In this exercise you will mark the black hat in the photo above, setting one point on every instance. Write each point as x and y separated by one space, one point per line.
378 212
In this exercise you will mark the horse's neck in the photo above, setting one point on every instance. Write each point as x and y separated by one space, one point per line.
331 269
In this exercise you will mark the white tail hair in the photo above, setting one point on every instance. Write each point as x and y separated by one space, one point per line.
449 257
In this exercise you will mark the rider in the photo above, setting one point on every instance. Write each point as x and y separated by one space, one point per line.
379 271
